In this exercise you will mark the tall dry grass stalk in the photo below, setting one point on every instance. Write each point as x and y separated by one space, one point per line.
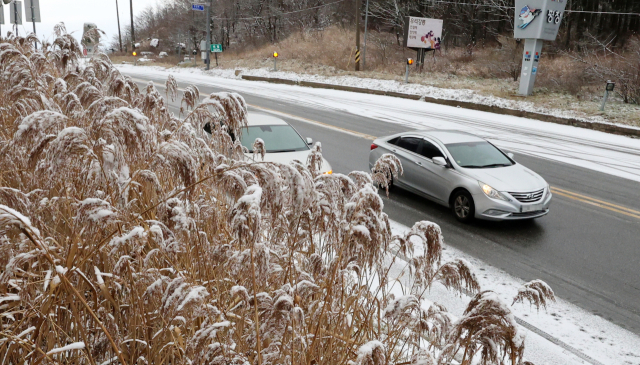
128 235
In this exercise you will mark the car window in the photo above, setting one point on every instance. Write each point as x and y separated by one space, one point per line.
409 143
478 155
277 138
393 141
429 150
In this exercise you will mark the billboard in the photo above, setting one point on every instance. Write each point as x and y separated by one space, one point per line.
422 32
538 19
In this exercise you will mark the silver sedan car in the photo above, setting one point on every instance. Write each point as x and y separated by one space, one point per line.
467 174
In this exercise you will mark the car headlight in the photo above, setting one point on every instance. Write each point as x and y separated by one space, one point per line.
548 191
492 193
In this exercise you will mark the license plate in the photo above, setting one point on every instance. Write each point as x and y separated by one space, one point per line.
531 208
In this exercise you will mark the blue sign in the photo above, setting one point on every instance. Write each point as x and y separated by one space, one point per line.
197 7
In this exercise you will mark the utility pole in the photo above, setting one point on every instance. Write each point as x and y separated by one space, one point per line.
119 33
357 35
133 34
209 34
364 49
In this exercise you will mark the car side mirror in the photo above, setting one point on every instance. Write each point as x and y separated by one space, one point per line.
510 155
440 161
309 141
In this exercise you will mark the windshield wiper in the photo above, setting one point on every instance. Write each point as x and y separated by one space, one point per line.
492 165
276 151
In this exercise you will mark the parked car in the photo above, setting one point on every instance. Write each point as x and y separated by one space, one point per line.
467 174
282 142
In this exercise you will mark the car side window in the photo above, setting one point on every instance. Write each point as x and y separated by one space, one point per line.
394 141
429 150
409 143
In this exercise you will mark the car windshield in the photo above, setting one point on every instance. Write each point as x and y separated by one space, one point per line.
477 155
277 138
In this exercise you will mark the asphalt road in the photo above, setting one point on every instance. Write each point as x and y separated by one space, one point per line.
587 248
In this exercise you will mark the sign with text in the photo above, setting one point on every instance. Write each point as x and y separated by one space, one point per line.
197 7
538 19
422 32
216 48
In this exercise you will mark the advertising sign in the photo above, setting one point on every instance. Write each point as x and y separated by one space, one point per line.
422 32
538 19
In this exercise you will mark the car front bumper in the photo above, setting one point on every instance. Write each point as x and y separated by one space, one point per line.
500 210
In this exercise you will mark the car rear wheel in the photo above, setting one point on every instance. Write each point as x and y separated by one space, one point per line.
463 206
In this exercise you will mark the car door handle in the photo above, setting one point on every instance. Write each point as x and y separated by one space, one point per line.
418 163
393 151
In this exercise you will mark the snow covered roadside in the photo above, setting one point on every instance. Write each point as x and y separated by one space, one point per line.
462 95
587 333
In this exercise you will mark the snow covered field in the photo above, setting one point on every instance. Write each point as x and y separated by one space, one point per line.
599 151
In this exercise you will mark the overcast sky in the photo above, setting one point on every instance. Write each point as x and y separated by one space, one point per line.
74 13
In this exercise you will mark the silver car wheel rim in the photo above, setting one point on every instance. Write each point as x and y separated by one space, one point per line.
462 206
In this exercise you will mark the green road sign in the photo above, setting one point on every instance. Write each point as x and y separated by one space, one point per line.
216 48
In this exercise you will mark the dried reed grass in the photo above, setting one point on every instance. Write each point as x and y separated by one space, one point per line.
130 236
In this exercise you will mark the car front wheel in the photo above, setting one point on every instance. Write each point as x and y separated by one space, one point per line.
463 206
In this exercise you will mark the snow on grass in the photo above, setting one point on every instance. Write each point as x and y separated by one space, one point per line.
73 346
590 334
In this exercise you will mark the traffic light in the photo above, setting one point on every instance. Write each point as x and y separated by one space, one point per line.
194 52
275 54
409 61
135 53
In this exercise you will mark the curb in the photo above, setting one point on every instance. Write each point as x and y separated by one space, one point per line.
602 127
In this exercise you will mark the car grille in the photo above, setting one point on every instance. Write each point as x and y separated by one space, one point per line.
528 197
527 214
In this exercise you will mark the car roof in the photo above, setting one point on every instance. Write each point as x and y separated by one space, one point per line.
264 119
451 136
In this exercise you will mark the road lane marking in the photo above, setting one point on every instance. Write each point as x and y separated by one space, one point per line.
562 192
311 121
596 202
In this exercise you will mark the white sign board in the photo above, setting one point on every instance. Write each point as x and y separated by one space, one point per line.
538 19
29 17
422 32
15 11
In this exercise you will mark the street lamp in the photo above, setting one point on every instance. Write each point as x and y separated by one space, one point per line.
406 75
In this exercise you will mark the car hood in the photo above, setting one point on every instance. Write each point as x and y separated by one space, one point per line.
286 157
514 179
